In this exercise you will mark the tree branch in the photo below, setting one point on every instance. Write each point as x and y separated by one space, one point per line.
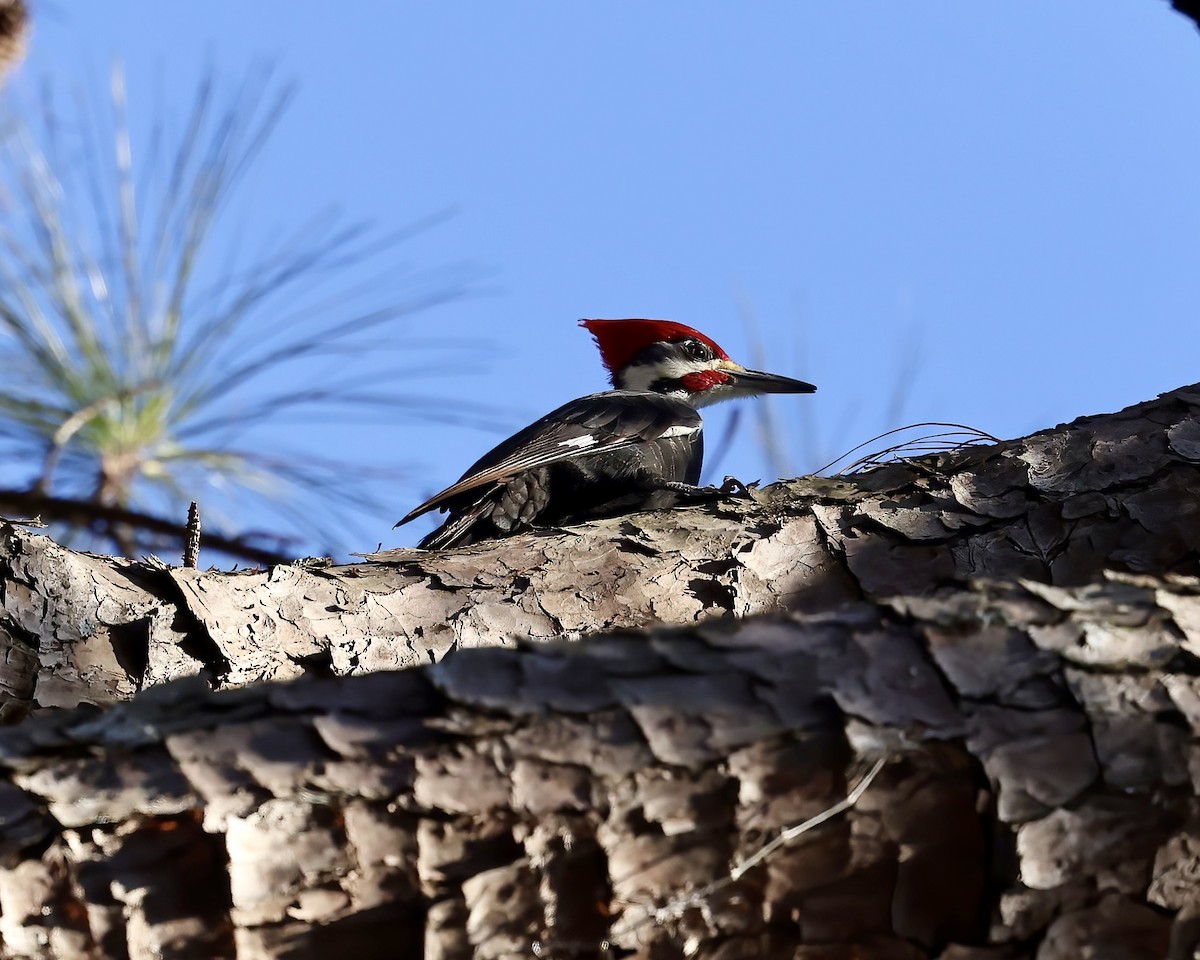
951 616
1059 507
1036 796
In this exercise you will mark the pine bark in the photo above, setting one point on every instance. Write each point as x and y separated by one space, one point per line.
1014 630
1059 507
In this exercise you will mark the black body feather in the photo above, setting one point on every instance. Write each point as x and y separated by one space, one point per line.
600 455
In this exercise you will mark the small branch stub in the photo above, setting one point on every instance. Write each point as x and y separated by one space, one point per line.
191 547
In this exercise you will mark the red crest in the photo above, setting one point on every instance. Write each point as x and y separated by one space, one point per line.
619 341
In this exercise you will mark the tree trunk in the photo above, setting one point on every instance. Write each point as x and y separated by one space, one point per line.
1014 630
1060 507
1038 797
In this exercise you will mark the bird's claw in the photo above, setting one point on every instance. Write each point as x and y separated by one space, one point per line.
735 488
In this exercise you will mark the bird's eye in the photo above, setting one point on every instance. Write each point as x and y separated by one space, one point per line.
696 350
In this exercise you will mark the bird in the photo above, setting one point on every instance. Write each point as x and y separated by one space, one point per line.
638 446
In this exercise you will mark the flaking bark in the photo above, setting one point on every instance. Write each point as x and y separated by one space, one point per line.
1039 797
1039 718
1060 507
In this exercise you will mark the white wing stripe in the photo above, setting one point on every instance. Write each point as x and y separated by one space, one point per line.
681 430
586 440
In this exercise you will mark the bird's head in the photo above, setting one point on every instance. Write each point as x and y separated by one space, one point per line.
662 356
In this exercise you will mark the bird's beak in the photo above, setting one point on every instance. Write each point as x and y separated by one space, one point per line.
754 381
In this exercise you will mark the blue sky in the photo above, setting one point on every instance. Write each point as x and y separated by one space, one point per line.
988 210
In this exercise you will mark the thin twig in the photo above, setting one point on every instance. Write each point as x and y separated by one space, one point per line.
25 522
697 899
191 548
931 443
791 833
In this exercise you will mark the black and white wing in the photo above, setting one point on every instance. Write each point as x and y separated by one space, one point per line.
590 426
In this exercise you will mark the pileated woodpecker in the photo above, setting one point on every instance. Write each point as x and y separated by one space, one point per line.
635 447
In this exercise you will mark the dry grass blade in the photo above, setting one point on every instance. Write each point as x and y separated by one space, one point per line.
956 436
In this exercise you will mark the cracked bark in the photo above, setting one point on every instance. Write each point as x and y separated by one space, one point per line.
1039 797
1015 628
1059 507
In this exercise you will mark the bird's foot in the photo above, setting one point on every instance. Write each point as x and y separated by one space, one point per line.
732 487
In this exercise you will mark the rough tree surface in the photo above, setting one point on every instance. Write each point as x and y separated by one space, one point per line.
1060 507
1014 629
